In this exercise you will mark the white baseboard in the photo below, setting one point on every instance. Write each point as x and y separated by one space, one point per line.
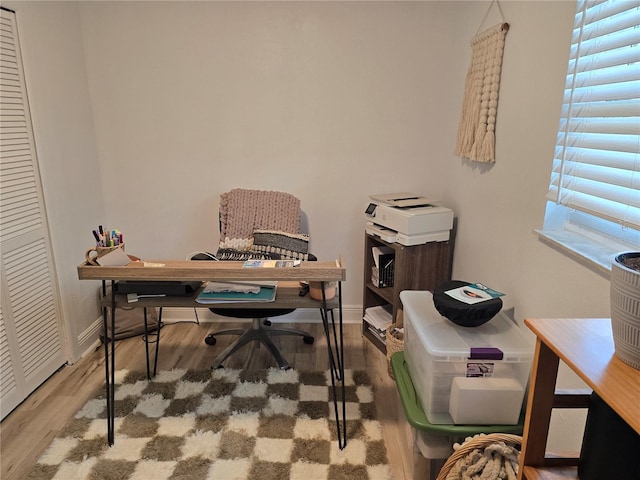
89 340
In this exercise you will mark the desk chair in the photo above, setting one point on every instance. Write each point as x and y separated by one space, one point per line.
259 224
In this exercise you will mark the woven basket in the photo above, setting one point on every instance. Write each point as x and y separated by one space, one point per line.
393 344
481 442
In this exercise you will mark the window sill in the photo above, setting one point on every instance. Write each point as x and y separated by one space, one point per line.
588 251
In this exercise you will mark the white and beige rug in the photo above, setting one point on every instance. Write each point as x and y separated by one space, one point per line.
222 424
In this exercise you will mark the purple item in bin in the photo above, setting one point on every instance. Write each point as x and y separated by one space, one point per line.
486 353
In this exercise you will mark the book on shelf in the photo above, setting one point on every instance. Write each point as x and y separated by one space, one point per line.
383 266
382 336
379 317
215 292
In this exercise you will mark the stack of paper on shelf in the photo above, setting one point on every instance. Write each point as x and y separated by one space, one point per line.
218 292
378 318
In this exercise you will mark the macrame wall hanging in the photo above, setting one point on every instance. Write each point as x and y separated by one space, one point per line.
476 131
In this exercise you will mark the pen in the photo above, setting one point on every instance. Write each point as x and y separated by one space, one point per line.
107 238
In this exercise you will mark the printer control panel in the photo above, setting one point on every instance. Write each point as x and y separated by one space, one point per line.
371 210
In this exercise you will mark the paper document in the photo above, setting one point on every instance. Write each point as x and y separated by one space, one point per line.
115 258
379 317
472 294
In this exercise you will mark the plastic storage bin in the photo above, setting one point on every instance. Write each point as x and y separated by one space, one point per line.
437 351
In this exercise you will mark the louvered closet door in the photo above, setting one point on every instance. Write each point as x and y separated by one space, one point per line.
30 331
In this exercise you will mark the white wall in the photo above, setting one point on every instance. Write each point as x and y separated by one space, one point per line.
331 101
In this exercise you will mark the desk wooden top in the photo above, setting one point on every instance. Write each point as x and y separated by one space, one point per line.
182 270
586 346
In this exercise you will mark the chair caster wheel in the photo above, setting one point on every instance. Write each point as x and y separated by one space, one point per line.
210 340
308 340
267 323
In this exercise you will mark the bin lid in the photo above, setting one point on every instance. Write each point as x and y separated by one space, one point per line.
444 339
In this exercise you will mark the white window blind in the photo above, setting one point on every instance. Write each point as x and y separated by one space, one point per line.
595 178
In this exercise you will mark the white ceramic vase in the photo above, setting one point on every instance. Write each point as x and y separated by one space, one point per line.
625 307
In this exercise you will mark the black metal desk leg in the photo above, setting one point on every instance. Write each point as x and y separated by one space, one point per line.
157 342
155 361
340 347
105 336
146 341
109 361
336 364
344 393
334 360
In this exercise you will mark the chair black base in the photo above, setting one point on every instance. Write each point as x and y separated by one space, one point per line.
257 333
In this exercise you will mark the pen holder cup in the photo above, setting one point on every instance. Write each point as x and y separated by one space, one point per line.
94 253
315 290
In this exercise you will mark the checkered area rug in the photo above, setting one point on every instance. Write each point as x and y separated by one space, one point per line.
222 424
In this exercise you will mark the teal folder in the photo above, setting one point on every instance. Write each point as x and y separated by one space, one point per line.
266 294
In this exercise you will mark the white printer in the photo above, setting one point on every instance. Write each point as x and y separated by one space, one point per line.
408 219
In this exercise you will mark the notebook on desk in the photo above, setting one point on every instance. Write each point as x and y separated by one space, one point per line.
264 292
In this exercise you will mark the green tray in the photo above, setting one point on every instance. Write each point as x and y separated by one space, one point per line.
417 418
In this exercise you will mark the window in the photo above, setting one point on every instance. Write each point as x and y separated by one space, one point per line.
594 192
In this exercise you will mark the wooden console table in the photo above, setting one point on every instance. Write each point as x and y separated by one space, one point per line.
286 297
586 346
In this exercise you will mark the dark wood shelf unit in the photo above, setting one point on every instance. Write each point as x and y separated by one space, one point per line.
417 267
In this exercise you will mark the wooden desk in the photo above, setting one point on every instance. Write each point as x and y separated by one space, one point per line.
586 346
286 297
327 271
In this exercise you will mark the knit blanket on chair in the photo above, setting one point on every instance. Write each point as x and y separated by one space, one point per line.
242 211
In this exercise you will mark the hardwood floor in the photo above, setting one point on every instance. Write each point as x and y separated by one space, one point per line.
29 429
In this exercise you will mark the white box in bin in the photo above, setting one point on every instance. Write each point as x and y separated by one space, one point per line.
437 351
485 401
